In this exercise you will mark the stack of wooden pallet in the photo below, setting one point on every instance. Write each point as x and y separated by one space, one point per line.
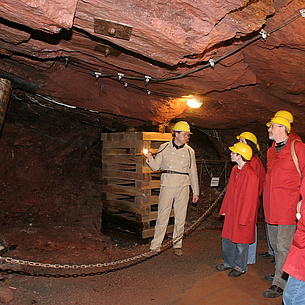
130 188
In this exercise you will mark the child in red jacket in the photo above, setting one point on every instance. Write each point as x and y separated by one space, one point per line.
240 208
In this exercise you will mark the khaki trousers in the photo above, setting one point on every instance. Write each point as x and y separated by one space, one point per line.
280 237
168 197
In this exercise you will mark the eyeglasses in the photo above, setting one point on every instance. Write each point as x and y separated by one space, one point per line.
186 135
272 126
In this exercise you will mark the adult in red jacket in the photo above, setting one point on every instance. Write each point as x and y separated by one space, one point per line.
281 195
294 292
240 208
288 116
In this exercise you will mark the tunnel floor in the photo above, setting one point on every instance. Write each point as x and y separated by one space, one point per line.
163 279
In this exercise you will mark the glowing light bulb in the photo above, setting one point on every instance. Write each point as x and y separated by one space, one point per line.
145 151
193 103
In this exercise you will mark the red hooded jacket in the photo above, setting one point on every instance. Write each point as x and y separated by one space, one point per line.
240 205
282 183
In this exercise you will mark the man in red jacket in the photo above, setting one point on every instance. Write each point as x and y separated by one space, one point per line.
240 208
281 195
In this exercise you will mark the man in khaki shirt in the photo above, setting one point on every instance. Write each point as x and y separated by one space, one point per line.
177 161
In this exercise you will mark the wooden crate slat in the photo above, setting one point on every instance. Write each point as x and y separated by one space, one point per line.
136 184
148 170
119 136
129 175
125 167
119 159
131 144
120 167
146 233
121 205
150 216
153 184
130 187
157 136
122 190
119 151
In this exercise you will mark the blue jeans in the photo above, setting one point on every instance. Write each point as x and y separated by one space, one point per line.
294 292
235 255
270 250
252 250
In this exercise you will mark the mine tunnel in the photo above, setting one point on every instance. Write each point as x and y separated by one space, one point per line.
60 199
85 87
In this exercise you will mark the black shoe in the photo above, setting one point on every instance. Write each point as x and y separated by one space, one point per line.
265 255
273 292
222 267
273 260
235 273
269 277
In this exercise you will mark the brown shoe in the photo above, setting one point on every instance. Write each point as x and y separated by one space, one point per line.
178 251
273 292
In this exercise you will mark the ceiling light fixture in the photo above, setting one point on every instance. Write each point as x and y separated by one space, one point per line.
193 102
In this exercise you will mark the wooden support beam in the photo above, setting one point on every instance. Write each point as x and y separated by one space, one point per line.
5 92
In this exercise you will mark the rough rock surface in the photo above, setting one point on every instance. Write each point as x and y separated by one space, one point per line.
51 51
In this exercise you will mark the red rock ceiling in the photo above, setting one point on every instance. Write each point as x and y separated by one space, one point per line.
52 49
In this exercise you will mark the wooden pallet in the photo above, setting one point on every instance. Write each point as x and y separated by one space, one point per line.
130 187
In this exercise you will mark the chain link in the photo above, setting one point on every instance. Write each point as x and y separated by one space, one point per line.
142 256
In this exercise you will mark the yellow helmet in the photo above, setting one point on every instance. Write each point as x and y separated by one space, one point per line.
281 121
285 114
249 136
243 149
182 126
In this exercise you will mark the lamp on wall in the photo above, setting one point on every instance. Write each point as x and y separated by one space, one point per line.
193 102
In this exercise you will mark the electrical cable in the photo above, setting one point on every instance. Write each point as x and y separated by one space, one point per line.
211 62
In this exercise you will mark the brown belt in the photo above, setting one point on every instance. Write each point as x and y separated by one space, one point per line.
174 172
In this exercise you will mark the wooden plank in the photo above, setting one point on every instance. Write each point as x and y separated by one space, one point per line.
126 206
148 185
157 136
150 216
122 136
128 175
118 152
122 190
133 200
146 233
143 200
120 159
112 196
136 144
5 92
120 167
137 184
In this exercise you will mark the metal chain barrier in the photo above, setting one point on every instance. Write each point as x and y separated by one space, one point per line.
132 260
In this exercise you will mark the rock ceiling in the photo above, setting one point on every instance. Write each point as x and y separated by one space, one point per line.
131 61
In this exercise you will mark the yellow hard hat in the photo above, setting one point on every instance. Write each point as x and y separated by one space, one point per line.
182 126
285 114
281 121
249 136
243 149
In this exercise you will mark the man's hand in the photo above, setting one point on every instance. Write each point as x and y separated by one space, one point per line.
195 198
148 156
